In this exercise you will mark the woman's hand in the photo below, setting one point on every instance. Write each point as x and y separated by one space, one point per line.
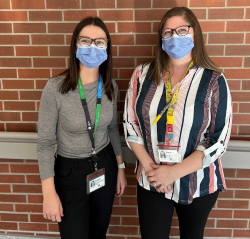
121 182
52 207
163 175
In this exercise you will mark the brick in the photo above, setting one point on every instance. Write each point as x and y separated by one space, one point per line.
8 226
231 223
32 227
38 218
244 108
231 13
234 130
225 38
12 178
14 217
244 233
5 188
49 62
135 51
78 15
9 116
66 4
19 106
241 119
242 194
122 39
59 50
114 221
55 72
238 50
243 96
207 3
34 73
8 73
232 204
123 62
130 170
133 4
247 62
45 16
229 173
227 61
152 14
47 39
124 210
227 194
1 105
6 51
237 74
238 183
126 73
242 214
217 232
130 221
5 28
123 230
143 60
247 13
4 168
136 27
8 95
169 4
111 27
245 85
237 3
19 168
243 173
13 16
27 188
6 207
131 180
27 4
31 50
212 26
129 201
14 39
61 27
40 84
53 228
15 62
235 107
2 127
29 208
29 27
5 4
35 198
244 130
215 50
116 15
234 84
146 39
86 4
12 198
30 116
221 213
234 26
18 84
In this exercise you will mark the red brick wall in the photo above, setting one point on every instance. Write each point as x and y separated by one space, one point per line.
21 205
34 45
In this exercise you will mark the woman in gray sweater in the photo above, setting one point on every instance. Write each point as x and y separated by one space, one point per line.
79 107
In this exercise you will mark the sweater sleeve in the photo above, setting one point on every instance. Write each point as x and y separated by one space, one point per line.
131 126
47 124
215 143
113 130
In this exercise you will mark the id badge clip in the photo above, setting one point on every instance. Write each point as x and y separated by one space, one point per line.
168 153
95 180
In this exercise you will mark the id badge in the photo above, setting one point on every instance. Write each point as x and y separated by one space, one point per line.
169 153
95 180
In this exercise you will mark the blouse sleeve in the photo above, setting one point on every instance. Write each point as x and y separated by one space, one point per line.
215 143
131 126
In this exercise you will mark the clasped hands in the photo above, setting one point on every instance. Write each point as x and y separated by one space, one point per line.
161 177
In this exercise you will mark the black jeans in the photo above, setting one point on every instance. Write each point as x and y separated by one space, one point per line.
86 216
156 212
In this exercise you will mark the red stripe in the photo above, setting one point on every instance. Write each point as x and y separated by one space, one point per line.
211 178
96 174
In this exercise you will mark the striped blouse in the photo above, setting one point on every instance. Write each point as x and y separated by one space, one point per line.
203 119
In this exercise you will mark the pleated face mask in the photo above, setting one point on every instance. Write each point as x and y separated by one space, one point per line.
178 47
91 56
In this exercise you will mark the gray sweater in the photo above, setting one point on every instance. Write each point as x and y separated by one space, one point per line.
62 115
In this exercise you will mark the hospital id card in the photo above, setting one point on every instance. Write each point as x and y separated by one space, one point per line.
95 180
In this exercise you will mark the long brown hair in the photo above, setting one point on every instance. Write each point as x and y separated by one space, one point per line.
72 73
199 54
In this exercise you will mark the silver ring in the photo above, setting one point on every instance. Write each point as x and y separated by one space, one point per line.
156 184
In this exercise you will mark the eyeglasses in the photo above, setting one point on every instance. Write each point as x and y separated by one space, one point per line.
180 31
86 41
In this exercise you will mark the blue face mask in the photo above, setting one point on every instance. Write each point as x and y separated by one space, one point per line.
178 47
91 56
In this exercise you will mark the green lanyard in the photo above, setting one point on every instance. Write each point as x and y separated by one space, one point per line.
85 107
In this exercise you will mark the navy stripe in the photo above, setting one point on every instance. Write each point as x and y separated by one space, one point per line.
217 173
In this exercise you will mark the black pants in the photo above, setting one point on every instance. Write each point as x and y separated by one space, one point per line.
156 212
86 216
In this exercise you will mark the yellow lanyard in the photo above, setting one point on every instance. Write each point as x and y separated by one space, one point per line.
172 99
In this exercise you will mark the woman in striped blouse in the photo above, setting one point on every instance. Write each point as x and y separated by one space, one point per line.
196 127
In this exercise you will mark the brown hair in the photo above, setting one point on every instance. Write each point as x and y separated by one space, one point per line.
72 73
199 54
